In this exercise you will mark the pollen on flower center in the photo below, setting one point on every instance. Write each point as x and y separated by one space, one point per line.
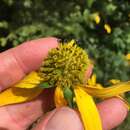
65 66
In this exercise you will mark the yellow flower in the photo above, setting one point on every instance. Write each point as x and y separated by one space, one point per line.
128 56
64 69
97 18
107 27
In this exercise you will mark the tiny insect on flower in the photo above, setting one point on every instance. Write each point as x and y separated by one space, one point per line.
65 68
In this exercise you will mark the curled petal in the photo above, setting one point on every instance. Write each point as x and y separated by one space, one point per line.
99 87
59 97
88 110
108 92
26 90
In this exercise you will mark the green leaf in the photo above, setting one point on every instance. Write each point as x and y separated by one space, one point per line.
89 3
45 85
68 95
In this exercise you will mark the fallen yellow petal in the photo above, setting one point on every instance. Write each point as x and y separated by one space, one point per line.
30 81
18 95
59 97
88 110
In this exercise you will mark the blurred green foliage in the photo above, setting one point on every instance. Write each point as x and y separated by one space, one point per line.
22 20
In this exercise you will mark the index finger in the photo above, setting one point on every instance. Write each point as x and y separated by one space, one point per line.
19 61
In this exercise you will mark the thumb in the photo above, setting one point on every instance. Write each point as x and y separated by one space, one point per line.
61 119
67 119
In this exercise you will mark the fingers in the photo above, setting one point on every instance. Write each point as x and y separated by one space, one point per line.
112 113
20 116
17 62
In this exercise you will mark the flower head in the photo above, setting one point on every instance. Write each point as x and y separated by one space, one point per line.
65 66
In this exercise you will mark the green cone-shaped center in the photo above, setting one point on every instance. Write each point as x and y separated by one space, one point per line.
66 65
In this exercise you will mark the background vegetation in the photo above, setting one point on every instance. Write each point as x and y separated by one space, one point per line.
101 26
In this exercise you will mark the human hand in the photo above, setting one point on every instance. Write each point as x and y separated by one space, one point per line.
19 61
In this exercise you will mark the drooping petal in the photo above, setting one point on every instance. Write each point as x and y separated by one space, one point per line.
88 110
99 87
30 81
18 95
108 92
26 90
59 97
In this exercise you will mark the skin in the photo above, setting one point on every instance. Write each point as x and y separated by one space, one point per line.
17 63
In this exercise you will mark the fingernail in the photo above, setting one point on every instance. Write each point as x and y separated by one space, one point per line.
63 119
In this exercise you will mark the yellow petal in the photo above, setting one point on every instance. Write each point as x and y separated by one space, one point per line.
59 97
99 86
30 81
92 80
88 110
114 81
18 95
108 92
26 90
